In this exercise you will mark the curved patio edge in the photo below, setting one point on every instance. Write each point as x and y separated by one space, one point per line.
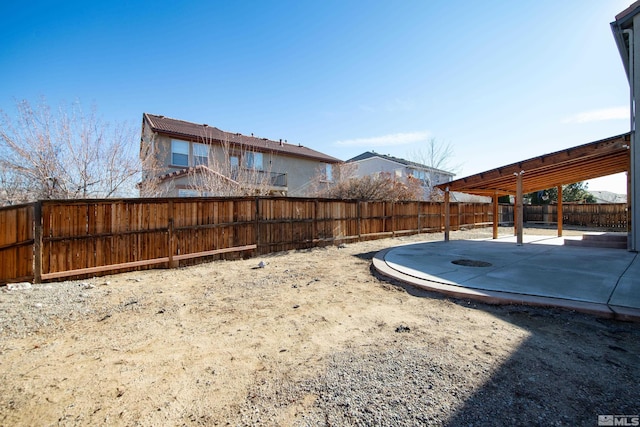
499 297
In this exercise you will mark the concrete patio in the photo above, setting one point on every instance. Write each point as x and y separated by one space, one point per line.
542 271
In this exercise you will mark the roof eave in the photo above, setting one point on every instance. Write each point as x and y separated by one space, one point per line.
408 164
618 35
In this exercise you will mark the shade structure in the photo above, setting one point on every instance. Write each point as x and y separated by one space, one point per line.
595 159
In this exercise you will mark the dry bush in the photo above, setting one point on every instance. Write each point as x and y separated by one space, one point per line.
382 186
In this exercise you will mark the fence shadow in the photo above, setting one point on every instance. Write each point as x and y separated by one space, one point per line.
571 368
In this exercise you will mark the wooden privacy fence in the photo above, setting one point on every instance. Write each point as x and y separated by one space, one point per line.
53 239
599 215
611 216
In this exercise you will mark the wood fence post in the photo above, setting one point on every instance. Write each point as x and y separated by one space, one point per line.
257 214
359 209
316 235
172 263
393 220
37 242
419 208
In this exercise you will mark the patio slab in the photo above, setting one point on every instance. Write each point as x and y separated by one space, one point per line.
541 272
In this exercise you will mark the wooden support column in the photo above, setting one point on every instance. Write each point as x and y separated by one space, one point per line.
519 206
495 215
447 219
629 225
559 211
515 216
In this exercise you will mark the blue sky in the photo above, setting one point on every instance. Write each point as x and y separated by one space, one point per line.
500 81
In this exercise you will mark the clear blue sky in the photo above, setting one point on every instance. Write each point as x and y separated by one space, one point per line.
500 81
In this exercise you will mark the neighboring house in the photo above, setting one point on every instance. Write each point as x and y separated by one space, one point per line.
189 159
372 163
608 197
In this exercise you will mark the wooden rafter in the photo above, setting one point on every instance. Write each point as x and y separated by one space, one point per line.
600 158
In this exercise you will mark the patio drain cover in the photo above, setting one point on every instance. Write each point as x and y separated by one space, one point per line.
471 263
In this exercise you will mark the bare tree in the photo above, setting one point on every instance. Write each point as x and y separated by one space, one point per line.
232 169
436 156
151 183
64 154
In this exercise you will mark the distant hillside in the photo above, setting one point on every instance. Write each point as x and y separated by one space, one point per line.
608 197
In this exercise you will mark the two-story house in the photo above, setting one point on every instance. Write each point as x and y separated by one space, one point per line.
188 159
371 163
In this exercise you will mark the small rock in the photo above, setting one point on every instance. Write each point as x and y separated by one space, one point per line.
403 328
105 283
105 317
261 264
296 306
87 286
342 246
21 286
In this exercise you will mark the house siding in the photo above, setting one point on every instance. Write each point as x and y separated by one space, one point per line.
300 172
375 165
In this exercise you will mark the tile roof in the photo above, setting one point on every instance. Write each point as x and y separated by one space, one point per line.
630 11
205 133
371 154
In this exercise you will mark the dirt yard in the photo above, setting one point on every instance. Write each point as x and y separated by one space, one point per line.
312 338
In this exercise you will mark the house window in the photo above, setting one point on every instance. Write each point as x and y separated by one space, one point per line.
327 173
420 174
234 166
253 161
200 154
185 192
179 153
234 162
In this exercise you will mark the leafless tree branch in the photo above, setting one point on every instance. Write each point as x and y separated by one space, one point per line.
64 154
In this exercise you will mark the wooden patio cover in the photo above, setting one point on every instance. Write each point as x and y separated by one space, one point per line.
595 159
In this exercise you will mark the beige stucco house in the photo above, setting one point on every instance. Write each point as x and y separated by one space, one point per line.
188 159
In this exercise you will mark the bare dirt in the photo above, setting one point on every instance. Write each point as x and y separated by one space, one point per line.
312 338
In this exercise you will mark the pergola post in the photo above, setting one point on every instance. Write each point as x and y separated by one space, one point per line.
559 211
629 225
515 215
519 209
495 215
447 218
